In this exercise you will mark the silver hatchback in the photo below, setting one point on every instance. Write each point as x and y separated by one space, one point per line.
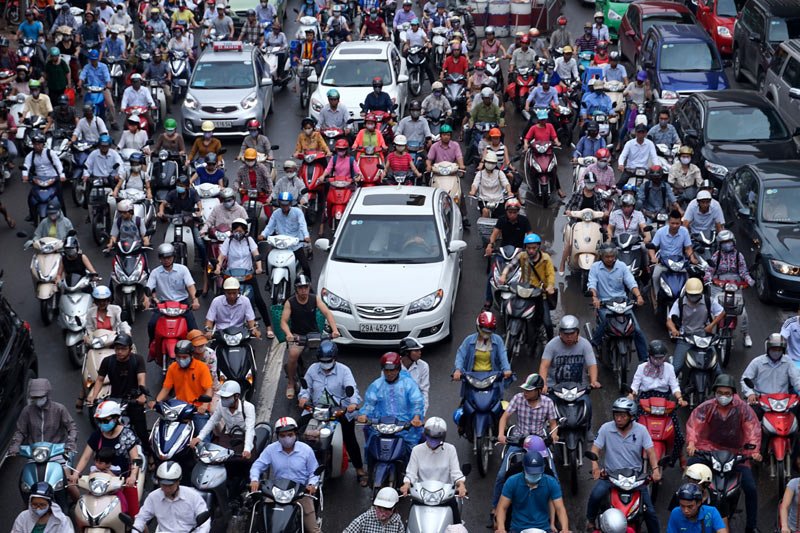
782 82
230 85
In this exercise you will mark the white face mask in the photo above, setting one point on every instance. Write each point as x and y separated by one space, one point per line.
490 166
686 160
724 400
326 366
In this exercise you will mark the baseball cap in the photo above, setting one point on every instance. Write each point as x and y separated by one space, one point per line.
703 195
197 338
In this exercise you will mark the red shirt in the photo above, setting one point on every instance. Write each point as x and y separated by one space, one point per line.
399 163
451 66
536 133
374 28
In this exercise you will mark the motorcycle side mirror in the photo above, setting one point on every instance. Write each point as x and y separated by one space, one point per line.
222 151
72 233
648 228
613 104
126 520
562 420
749 446
380 166
320 469
204 398
650 246
466 468
202 517
274 147
749 383
144 390
349 391
150 142
304 383
626 389
664 461
116 166
150 232
590 455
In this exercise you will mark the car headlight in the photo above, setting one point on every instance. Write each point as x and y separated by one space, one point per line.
316 105
335 303
717 170
785 268
282 496
426 303
669 95
722 31
250 101
190 102
613 15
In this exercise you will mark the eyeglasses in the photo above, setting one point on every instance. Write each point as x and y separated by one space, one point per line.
104 420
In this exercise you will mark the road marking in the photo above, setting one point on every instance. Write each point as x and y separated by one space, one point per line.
273 363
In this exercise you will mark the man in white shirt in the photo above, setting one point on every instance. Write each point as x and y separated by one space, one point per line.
411 357
703 213
174 506
565 66
90 127
237 414
138 96
637 153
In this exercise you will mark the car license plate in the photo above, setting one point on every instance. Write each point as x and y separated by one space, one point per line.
222 123
377 328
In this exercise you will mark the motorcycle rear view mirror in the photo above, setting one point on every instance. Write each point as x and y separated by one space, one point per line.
626 389
126 520
665 461
348 391
204 398
650 246
150 232
749 383
304 383
201 519
648 228
274 147
144 390
590 455
72 233
749 446
466 468
320 469
182 83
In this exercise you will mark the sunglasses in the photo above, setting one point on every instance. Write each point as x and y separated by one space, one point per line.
104 420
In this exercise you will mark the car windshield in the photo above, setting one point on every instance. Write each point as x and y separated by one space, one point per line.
223 75
740 124
356 73
388 239
783 29
689 57
781 205
729 8
666 18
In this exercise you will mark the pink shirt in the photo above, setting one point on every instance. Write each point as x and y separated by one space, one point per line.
342 167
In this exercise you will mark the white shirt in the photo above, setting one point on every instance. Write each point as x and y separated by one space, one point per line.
44 166
244 417
90 132
416 38
791 332
565 69
133 98
666 383
173 515
440 464
239 253
636 155
421 373
136 141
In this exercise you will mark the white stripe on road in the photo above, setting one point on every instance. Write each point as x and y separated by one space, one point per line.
271 375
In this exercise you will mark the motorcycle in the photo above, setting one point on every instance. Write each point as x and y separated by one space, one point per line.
116 68
435 120
625 495
666 154
517 312
493 69
417 58
732 302
311 170
280 512
617 344
541 170
726 481
573 432
160 99
386 452
304 72
236 360
164 174
474 137
445 176
369 161
701 367
213 241
629 248
73 311
703 245
95 96
670 285
481 411
80 151
44 268
43 192
430 505
178 64
173 430
129 275
209 198
657 420
502 256
586 237
417 152
179 233
170 328
271 57
44 465
331 135
455 90
100 346
99 212
522 83
98 510
440 46
282 266
579 169
324 434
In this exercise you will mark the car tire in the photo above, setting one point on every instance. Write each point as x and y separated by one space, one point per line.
738 75
762 283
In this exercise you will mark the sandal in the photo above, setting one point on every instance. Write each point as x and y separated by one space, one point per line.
79 405
289 392
363 479
10 222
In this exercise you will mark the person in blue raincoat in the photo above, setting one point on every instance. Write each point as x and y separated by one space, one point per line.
395 394
483 351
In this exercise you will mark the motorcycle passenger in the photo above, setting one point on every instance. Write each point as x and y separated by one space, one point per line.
173 505
226 212
400 160
43 163
436 100
610 278
729 264
664 132
613 71
586 42
374 25
125 226
237 416
435 460
253 175
208 173
170 140
625 443
42 513
639 152
694 312
542 131
309 139
530 494
382 516
414 127
583 199
726 422
55 224
772 373
290 221
445 149
692 515
335 114
601 170
113 434
591 144
490 184
655 196
188 378
135 179
291 184
684 176
702 215
62 119
204 145
524 56
170 282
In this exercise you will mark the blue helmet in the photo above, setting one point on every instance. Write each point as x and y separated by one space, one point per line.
333 93
629 187
285 197
457 414
690 492
105 140
94 54
533 463
327 351
541 114
532 238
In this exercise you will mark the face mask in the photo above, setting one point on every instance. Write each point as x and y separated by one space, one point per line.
602 164
727 246
40 402
376 90
239 236
587 32
686 160
178 35
371 127
415 114
291 175
657 361
226 402
533 479
593 134
383 515
135 168
39 512
308 131
589 186
53 216
327 365
250 162
342 153
184 363
437 94
694 298
373 17
254 134
107 426
287 442
180 190
153 17
35 93
724 400
208 134
433 443
490 166
775 353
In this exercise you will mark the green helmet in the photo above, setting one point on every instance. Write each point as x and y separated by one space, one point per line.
724 380
34 83
170 124
333 93
55 52
446 128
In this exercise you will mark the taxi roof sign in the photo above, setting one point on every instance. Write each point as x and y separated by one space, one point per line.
221 46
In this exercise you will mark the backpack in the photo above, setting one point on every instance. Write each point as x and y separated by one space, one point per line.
352 173
49 158
681 300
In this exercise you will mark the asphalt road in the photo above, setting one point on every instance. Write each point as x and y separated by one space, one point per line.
344 498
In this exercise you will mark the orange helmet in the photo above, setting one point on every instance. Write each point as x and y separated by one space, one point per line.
533 32
495 132
250 153
602 153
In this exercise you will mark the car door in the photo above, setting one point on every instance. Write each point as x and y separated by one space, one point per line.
264 89
630 38
648 57
398 68
745 195
705 15
754 39
11 377
789 106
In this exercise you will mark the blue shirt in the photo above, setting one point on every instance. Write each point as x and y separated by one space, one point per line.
31 31
297 466
530 508
204 177
670 245
170 285
112 47
652 199
542 98
378 102
293 225
593 102
95 76
402 17
708 516
334 383
588 146
610 283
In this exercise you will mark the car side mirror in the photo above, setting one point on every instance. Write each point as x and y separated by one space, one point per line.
402 78
794 92
630 33
745 213
322 244
266 81
456 246
755 37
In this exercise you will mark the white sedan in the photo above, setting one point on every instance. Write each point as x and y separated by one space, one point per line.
394 265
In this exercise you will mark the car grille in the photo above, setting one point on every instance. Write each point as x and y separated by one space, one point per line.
380 336
379 312
226 109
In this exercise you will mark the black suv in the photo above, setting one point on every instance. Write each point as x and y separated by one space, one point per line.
761 27
18 365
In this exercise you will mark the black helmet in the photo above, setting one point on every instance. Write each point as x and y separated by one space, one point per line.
37 138
88 108
589 178
211 158
308 120
327 351
63 100
184 346
53 207
183 179
724 380
3 41
42 489
408 344
415 106
545 78
377 81
607 248
123 339
301 280
592 126
657 348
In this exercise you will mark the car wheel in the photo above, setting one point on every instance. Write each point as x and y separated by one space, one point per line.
738 75
762 283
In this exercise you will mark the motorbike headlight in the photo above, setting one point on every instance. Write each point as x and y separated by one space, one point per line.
785 268
717 170
728 466
250 101
316 105
779 406
722 31
190 102
40 455
98 486
623 482
335 303
715 464
665 286
232 340
568 395
282 496
659 411
431 498
481 384
426 303
613 15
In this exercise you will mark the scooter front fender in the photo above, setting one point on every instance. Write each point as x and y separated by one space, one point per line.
482 421
383 471
338 455
279 275
45 290
429 519
585 261
73 337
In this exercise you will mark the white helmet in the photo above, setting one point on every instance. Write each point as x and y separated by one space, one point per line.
124 206
400 140
101 292
486 92
108 408
386 497
435 428
231 284
229 388
491 157
169 472
613 521
285 423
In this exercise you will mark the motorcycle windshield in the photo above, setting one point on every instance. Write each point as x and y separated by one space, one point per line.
234 363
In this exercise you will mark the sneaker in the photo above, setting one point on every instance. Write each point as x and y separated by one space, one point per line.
748 342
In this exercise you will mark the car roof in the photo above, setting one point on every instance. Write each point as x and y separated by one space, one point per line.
680 32
653 7
792 45
209 54
361 50
777 173
731 98
780 8
399 201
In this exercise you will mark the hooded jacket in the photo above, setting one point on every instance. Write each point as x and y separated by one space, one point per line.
58 522
51 423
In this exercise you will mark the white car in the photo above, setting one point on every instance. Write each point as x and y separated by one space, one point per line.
350 70
394 265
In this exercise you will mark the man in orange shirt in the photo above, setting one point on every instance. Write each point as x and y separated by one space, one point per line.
190 378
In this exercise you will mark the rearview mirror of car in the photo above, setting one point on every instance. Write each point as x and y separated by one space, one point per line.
322 244
456 246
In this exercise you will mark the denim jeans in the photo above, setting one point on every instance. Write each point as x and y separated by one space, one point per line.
199 423
679 357
600 492
638 336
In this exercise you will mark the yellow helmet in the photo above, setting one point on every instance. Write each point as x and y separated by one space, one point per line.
207 125
685 150
694 286
566 50
250 153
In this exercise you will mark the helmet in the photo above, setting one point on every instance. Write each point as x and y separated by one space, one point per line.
125 206
568 324
690 492
532 382
308 120
333 93
495 132
532 238
607 248
229 388
71 243
169 473
694 286
685 150
533 32
327 351
342 143
231 284
250 153
562 21
170 124
33 84
479 64
612 521
123 339
657 348
491 157
535 443
599 15
166 250
285 423
566 50
724 380
289 163
602 153
602 45
542 114
726 235
486 92
524 39
533 463
624 405
101 292
486 320
239 222
437 85
446 128
655 170
54 52
52 207
592 126
613 56
546 79
513 204
400 140
435 428
253 124
699 472
415 106
108 408
370 117
285 198
589 178
43 490
390 361
409 344
302 281
377 81
387 498
136 77
775 340
94 54
184 346
227 193
136 158
641 75
489 30
207 126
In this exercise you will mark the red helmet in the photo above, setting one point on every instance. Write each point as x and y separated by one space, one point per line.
655 169
602 45
480 64
562 21
371 116
486 320
342 143
253 124
524 39
390 361
602 153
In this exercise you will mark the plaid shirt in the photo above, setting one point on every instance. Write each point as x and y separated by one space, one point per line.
726 264
532 420
584 44
575 201
252 33
368 522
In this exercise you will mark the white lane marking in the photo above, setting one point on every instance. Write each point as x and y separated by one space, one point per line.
273 363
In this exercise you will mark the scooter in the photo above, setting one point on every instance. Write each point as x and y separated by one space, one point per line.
493 69
271 57
101 345
99 212
439 48
42 193
517 311
474 137
178 65
703 245
541 170
98 510
445 175
617 345
94 96
701 367
625 495
369 162
430 505
236 360
586 238
213 241
417 58
435 120
657 420
44 466
311 170
480 414
129 275
579 168
386 450
170 328
501 258
629 248
671 284
666 154
455 90
209 198
173 430
522 82
574 431
44 268
73 311
80 151
732 302
164 174
179 233
332 134
282 266
116 68
726 481
160 99
276 506
324 434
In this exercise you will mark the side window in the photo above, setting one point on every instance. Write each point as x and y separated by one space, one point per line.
792 73
747 190
647 48
447 217
691 115
758 24
396 62
778 61
259 69
746 19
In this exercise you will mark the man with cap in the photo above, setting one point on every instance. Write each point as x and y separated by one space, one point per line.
381 517
229 310
436 100
693 313
334 114
529 494
290 184
586 42
237 415
639 152
189 379
173 505
103 163
410 351
703 213
566 66
95 73
290 221
288 458
599 29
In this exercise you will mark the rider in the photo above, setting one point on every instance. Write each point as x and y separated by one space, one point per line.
173 505
42 513
335 114
136 177
37 103
639 152
610 278
455 63
445 149
664 132
486 111
613 71
655 196
586 42
237 415
542 130
253 174
103 315
601 170
224 213
370 135
137 95
771 373
134 137
590 144
566 66
189 379
157 70
231 309
43 163
684 176
62 119
74 261
627 219
625 443
728 264
537 270
55 224
561 37
337 27
703 215
399 160
309 139
692 515
414 127
378 100
599 29
490 184
597 100
126 226
374 25
695 312
290 184
524 56
583 199
205 144
208 173
790 330
436 100
170 282
726 422
170 140
483 351
289 220
276 38
601 56
382 516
